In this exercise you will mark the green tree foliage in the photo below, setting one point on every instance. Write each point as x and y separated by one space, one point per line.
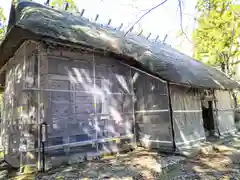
216 39
2 24
60 4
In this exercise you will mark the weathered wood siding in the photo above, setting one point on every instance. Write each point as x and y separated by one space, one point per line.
187 115
224 112
152 111
19 119
89 98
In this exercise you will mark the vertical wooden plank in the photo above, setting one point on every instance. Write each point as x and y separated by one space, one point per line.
13 112
39 165
133 114
95 101
171 116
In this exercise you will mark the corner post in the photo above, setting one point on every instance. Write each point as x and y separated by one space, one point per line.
171 115
38 110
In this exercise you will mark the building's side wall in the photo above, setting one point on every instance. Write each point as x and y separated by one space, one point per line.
19 118
1 122
187 115
224 112
153 122
89 102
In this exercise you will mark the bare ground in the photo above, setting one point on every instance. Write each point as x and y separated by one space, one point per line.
220 162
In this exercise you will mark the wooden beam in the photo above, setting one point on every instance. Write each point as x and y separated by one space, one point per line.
96 18
130 30
171 116
47 2
109 22
139 34
120 27
82 12
66 6
165 37
149 35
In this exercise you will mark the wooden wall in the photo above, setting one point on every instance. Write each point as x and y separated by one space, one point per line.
91 104
88 97
19 119
152 111
224 112
187 115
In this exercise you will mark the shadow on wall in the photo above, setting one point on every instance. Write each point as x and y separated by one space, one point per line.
109 101
113 99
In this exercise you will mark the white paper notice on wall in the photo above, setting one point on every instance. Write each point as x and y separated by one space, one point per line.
23 148
29 81
44 133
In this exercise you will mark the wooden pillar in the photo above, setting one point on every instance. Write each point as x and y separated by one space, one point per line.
171 115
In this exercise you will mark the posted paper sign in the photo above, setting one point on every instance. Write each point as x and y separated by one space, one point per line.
23 148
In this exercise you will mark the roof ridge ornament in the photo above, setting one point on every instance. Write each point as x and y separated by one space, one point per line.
96 18
140 33
66 6
47 2
82 12
109 22
120 27
149 35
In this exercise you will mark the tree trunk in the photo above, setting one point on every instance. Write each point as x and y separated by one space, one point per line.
235 99
223 67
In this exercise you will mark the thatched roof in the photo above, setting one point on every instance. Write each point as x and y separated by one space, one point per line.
35 21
